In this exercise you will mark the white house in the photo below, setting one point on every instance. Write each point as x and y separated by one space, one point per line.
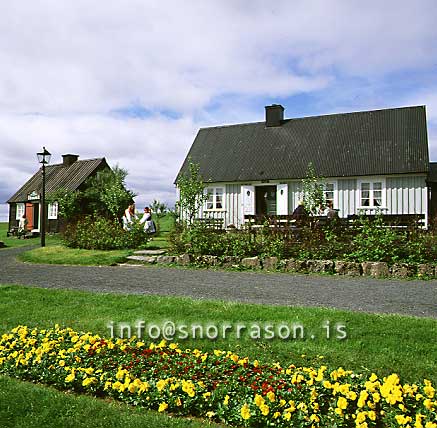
373 160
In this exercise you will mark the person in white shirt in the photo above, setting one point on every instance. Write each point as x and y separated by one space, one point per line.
149 224
129 216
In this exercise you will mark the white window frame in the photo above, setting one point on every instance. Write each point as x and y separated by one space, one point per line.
52 211
372 181
21 209
215 191
334 191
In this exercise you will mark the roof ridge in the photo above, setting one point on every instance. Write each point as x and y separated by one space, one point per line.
315 117
79 160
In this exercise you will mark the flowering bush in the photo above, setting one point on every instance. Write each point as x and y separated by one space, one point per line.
219 385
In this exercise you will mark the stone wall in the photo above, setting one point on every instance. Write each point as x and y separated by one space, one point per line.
338 267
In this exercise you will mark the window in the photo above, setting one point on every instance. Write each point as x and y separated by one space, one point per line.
20 211
329 193
215 198
53 211
371 194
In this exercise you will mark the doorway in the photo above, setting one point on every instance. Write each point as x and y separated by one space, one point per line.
265 200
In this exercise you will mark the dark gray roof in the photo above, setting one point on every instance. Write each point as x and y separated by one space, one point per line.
59 176
390 141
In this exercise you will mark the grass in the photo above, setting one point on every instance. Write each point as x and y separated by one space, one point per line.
56 253
12 241
379 343
59 254
23 404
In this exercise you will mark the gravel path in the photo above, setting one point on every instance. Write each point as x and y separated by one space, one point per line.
417 298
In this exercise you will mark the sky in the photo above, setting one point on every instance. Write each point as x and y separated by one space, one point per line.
133 81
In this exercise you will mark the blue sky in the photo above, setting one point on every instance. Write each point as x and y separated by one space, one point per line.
134 81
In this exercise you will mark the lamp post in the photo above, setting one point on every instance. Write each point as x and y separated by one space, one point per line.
44 159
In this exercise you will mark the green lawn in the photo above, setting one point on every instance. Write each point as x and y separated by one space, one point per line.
375 343
12 241
379 343
23 405
59 254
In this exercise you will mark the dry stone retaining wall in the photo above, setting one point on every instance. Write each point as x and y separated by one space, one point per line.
338 267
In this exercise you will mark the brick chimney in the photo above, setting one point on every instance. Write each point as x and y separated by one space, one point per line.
274 115
68 160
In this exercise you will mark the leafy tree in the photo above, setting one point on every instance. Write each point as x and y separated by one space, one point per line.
106 193
69 205
192 193
313 193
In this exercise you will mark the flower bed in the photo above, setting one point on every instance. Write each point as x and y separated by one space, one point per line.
219 385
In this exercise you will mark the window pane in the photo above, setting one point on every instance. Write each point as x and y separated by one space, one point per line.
218 201
20 211
377 198
329 187
377 185
365 186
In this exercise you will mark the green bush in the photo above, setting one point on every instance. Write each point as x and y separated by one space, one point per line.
104 234
368 240
376 242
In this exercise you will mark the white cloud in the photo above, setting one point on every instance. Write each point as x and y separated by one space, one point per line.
66 65
150 149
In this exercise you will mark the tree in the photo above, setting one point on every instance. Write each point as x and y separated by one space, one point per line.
313 191
106 193
68 202
192 193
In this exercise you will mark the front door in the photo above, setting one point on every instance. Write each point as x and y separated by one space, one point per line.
35 219
29 216
265 200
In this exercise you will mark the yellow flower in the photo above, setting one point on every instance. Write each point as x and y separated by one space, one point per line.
226 400
245 411
61 363
271 396
361 417
161 384
88 381
428 404
362 399
287 416
402 419
210 414
372 415
314 418
342 403
70 377
258 400
163 406
264 409
373 378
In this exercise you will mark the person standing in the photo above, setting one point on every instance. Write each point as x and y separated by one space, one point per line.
22 225
149 224
129 216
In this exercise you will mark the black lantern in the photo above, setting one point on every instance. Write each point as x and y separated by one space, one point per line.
44 159
44 156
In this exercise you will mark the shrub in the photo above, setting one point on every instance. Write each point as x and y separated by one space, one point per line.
376 242
103 234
